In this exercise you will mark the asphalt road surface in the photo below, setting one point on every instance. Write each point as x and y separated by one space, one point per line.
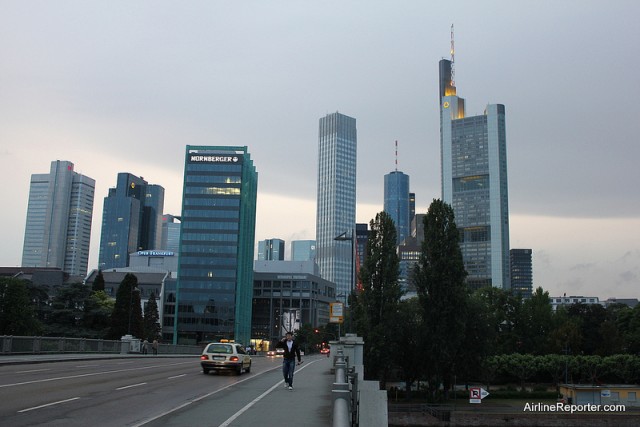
145 392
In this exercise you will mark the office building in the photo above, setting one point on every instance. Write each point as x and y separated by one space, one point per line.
521 272
59 214
215 264
170 233
397 202
303 250
412 206
474 182
409 252
362 238
336 200
271 250
287 295
131 220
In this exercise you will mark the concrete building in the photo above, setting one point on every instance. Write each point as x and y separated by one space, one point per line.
474 183
215 266
286 295
131 220
59 214
336 200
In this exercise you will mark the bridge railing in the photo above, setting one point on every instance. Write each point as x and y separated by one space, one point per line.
10 344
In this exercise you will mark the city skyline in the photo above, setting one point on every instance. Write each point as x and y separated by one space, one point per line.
126 89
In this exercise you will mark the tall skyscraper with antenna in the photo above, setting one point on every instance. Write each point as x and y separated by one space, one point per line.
397 200
473 157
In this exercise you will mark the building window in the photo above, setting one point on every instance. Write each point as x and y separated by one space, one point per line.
632 396
615 395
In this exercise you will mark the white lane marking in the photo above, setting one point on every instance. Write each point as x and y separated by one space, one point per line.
92 374
256 400
85 366
130 386
32 370
176 376
49 404
204 396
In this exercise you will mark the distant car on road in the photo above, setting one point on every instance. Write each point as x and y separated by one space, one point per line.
280 352
325 351
225 356
271 353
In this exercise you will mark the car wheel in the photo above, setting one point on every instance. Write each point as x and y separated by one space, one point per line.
248 368
239 370
205 371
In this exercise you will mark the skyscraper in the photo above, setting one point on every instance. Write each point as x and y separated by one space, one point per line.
59 213
474 182
521 272
303 250
170 233
215 266
131 220
271 250
397 202
336 200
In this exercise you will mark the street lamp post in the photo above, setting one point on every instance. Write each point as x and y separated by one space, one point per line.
352 238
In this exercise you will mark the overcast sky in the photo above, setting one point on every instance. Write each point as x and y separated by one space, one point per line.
121 86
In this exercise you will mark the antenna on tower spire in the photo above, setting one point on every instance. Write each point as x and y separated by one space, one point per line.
453 60
396 155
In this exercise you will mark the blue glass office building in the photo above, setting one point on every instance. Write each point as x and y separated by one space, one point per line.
215 266
397 202
336 203
474 183
131 220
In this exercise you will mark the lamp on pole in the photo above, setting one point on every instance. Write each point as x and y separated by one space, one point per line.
352 238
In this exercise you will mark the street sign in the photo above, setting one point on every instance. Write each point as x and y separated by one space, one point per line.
476 394
336 312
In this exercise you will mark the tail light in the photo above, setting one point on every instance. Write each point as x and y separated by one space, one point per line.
204 357
234 358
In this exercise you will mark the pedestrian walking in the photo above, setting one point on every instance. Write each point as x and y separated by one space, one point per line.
145 346
291 351
155 347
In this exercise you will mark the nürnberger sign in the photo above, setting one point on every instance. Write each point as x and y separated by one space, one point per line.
200 158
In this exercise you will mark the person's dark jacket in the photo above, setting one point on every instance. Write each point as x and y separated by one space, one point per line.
290 355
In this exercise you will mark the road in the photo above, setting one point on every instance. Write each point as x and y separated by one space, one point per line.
145 391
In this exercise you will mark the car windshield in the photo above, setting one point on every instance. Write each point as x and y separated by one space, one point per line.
219 348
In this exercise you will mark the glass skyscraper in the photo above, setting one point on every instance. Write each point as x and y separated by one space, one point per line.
271 250
521 272
397 202
303 250
474 183
59 214
215 267
336 200
131 220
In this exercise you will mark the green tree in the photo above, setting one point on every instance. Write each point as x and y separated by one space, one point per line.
407 335
440 282
127 313
66 318
536 322
152 328
377 302
97 316
17 314
98 283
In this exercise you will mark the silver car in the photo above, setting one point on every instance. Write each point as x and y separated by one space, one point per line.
225 356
